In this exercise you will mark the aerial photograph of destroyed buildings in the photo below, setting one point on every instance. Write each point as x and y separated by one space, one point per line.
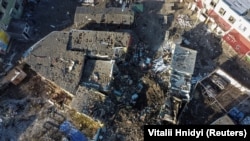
78 70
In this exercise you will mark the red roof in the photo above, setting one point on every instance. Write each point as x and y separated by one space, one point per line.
220 21
239 43
199 4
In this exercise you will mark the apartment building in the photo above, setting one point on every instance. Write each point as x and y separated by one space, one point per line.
9 9
230 19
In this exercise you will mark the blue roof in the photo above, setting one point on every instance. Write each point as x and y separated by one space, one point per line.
75 135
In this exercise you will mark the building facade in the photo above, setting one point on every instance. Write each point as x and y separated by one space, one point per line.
230 19
10 9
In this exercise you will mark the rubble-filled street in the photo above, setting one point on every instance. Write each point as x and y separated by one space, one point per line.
101 70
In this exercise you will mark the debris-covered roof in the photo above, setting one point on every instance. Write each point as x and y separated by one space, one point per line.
113 15
51 59
99 43
54 59
98 74
184 60
92 103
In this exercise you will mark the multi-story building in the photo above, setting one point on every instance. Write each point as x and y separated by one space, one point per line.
9 9
230 19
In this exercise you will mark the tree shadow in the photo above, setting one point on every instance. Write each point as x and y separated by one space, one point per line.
208 46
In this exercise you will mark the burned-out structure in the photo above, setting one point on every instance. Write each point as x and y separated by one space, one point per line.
220 95
103 17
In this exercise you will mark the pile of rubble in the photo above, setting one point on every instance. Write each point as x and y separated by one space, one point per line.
184 21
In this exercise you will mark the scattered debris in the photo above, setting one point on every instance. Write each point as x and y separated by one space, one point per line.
159 66
108 81
184 21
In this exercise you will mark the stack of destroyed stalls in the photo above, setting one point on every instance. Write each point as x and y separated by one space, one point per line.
81 62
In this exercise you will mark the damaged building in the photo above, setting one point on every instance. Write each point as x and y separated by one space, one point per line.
103 17
39 109
51 59
181 70
170 110
183 63
100 44
224 98
108 85
63 57
81 63
20 30
10 9
98 74
93 103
